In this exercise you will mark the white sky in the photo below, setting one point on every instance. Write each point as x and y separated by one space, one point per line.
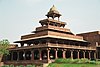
20 17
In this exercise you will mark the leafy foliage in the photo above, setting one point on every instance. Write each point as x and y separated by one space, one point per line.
82 60
18 66
30 66
4 44
72 65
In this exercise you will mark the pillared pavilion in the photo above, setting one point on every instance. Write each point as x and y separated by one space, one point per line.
51 41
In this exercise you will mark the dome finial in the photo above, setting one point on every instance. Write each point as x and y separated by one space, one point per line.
53 12
53 8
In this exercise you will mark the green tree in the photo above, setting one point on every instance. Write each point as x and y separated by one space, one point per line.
4 44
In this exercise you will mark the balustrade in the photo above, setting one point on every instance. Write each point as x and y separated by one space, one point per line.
68 46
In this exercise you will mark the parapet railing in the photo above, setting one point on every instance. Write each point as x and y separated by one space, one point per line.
69 46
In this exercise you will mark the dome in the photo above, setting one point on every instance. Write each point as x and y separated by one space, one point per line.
53 12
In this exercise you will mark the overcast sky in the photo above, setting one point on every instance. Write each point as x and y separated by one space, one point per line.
20 17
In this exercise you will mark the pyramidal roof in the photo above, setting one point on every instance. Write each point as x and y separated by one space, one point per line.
53 8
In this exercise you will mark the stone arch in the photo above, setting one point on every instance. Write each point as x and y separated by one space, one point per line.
21 55
60 54
8 57
52 54
92 55
75 54
87 54
36 55
15 55
28 55
44 54
81 55
68 54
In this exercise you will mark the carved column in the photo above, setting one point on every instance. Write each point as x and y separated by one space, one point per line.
24 55
84 54
64 51
94 54
56 54
89 55
28 44
97 54
22 44
48 51
40 54
32 54
78 54
18 56
11 56
71 54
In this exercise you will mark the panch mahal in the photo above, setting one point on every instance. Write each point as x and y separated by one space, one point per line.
51 41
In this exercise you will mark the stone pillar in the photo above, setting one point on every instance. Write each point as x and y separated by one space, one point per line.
22 44
84 54
94 54
48 51
78 54
97 54
56 54
28 44
18 56
11 56
64 51
24 55
40 54
48 42
71 54
89 55
32 54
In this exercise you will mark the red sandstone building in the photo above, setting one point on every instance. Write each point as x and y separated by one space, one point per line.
52 41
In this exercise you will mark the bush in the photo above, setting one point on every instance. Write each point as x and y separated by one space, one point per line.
18 66
6 66
92 62
97 62
21 66
58 60
61 60
11 65
75 61
82 60
30 66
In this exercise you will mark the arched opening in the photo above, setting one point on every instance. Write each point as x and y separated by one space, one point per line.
87 54
60 54
81 54
21 55
68 54
36 55
15 55
52 54
8 57
75 54
28 55
92 55
98 54
44 54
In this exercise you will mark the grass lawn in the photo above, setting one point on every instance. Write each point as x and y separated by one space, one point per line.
72 65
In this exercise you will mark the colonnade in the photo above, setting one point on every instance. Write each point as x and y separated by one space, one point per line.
49 54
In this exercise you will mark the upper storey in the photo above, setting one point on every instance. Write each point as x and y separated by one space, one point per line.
53 13
52 28
52 23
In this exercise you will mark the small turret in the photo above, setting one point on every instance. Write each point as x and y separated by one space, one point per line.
53 12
